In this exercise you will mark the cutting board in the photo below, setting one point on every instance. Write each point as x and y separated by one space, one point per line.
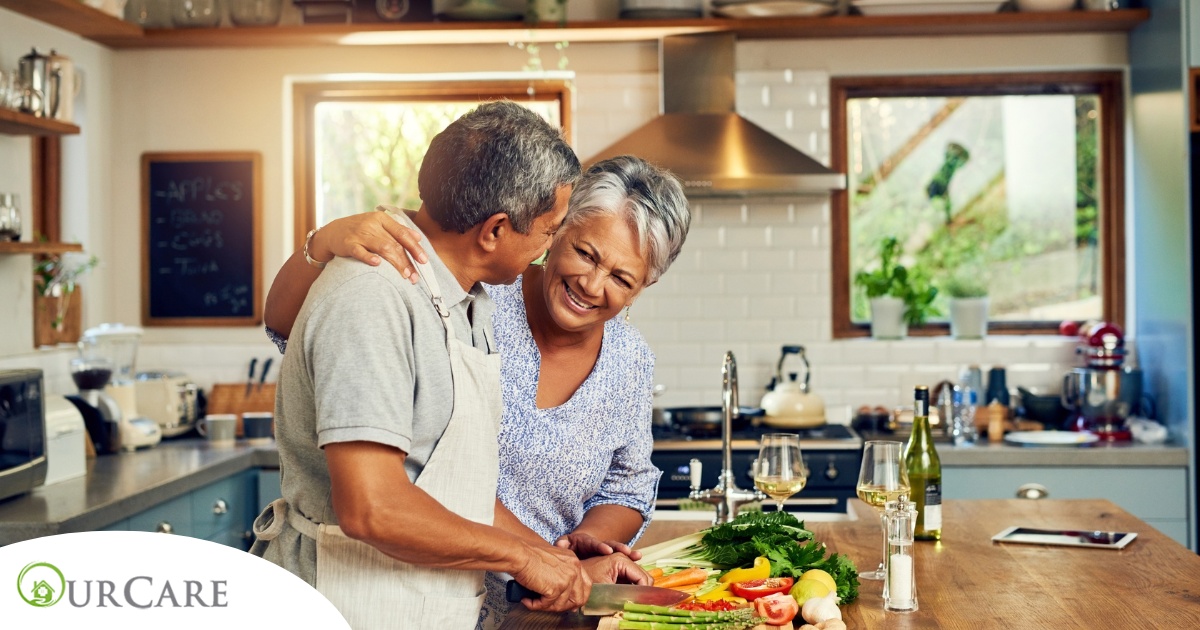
612 623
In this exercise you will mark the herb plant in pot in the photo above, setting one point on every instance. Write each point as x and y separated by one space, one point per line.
967 289
57 305
899 297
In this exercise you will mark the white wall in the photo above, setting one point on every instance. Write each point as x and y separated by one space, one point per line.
750 278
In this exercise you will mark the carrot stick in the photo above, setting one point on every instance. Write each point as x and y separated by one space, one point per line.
656 572
694 575
688 588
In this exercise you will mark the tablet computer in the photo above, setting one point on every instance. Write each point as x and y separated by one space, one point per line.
1066 537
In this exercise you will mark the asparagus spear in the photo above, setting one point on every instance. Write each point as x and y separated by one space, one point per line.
696 615
685 625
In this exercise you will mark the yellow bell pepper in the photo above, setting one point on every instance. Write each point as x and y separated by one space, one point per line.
720 592
760 571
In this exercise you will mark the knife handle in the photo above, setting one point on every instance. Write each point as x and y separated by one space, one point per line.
514 592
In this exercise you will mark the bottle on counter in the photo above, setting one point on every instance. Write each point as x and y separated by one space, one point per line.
924 470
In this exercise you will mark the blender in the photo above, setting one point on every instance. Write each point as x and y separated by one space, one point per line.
116 344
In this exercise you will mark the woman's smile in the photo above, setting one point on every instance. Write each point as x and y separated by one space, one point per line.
576 300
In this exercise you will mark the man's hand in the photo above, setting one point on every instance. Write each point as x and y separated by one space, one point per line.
587 546
370 237
616 569
557 575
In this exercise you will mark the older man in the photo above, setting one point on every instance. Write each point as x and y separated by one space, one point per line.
389 400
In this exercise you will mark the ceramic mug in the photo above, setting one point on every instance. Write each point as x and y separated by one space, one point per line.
219 428
258 427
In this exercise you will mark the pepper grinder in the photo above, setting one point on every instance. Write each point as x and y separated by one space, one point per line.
899 583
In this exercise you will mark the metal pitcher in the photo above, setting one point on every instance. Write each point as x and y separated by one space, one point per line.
33 75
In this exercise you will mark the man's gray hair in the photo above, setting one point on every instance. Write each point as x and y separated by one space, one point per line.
649 198
499 157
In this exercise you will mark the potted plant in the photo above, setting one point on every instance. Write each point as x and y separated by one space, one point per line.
967 288
899 297
57 303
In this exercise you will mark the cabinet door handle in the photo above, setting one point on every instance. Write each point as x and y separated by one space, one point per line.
220 507
164 528
1032 491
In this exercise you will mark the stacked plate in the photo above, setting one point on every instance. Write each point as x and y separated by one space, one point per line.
919 7
773 8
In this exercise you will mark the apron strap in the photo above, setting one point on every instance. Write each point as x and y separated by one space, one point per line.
426 272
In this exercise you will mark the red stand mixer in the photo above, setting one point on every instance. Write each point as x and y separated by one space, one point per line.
1104 392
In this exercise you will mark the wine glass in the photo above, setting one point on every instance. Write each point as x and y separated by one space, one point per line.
779 470
882 478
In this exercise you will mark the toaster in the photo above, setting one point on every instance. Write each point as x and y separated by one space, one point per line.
168 398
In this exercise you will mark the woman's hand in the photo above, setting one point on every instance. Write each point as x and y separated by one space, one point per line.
370 237
616 569
587 546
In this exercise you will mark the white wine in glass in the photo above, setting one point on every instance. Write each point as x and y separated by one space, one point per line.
779 470
882 478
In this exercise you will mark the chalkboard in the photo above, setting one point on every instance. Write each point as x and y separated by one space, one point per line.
201 227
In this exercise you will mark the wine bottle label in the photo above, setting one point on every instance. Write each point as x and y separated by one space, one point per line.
933 505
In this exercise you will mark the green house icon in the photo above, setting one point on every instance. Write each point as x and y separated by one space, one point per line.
42 594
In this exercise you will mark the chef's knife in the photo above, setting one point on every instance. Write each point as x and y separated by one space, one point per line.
607 599
250 378
266 368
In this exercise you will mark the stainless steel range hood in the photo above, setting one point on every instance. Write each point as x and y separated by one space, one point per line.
701 138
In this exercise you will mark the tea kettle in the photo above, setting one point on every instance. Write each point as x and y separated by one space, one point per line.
790 404
49 83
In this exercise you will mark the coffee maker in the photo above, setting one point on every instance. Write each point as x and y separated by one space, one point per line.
115 346
101 414
1104 392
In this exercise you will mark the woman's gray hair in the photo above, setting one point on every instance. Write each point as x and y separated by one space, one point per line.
650 198
499 157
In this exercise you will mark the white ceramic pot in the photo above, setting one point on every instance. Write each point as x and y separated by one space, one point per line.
1045 5
969 317
887 318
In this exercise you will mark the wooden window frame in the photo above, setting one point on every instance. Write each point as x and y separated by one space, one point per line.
1109 85
306 97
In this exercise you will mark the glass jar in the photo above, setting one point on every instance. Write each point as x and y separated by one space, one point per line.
149 13
255 12
196 13
10 218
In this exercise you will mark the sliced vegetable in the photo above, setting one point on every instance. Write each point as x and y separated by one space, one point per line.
755 589
777 609
711 605
694 575
760 571
656 572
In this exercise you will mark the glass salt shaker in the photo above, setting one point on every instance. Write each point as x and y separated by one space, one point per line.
899 583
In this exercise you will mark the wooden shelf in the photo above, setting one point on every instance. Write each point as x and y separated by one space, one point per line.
109 31
21 247
16 123
74 16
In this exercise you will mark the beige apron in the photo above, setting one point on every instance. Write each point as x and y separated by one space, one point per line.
375 591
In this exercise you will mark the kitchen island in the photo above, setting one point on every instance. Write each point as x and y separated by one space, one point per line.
967 581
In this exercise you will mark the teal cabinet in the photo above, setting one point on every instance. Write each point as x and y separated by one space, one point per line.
1149 493
221 512
268 487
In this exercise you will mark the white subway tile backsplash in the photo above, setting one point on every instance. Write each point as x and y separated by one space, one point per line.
750 331
746 237
965 352
768 77
700 330
716 213
775 306
753 97
752 284
731 308
700 283
723 260
705 235
771 259
798 329
802 285
798 238
770 214
885 376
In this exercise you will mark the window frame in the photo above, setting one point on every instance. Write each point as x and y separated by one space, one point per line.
1108 85
306 96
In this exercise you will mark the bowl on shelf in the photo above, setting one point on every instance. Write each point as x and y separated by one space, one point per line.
196 13
1045 5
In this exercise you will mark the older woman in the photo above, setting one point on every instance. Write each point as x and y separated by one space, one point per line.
575 437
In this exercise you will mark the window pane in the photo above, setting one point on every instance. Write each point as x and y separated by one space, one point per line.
999 192
369 153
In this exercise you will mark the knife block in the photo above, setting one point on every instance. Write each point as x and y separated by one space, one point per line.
233 398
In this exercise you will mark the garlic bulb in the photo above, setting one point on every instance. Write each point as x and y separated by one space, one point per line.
818 609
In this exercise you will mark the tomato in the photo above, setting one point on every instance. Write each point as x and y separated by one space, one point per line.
714 605
777 609
753 589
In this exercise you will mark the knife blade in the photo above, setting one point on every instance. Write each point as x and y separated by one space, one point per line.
607 599
266 368
250 377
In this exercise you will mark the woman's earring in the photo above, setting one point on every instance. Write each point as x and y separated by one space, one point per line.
627 307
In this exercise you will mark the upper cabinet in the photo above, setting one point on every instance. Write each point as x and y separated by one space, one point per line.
98 26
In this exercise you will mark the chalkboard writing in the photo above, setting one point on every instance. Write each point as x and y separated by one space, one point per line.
201 225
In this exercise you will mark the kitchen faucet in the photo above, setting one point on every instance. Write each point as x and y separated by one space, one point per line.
727 497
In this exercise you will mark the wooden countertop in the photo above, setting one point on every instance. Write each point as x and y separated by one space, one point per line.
967 581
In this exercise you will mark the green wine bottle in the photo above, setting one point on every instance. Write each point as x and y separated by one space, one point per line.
924 470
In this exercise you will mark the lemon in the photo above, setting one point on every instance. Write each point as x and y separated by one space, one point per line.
820 576
805 590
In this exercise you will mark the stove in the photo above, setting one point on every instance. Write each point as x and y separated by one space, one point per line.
832 452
